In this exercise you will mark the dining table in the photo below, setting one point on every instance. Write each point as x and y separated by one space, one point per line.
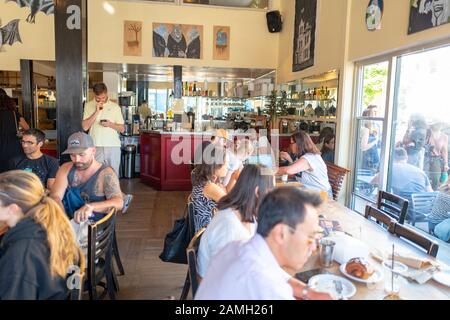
377 239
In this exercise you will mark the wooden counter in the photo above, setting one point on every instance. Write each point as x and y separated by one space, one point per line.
158 169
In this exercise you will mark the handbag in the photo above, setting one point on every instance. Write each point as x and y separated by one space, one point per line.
19 133
176 242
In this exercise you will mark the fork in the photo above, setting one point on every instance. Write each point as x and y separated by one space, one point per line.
339 288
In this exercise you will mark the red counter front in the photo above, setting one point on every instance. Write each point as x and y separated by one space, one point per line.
157 166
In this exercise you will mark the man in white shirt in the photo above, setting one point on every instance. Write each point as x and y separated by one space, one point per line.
285 238
104 121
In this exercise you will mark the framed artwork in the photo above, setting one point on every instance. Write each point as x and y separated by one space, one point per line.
304 34
374 14
221 43
177 41
425 14
132 38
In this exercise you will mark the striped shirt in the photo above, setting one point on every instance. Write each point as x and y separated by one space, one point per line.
203 207
441 208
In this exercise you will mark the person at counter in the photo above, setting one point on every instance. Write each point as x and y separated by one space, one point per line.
309 162
104 121
207 191
10 122
33 160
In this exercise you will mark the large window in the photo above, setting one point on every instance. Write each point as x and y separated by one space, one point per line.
419 164
158 99
410 159
370 122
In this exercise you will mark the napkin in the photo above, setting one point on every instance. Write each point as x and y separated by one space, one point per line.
347 247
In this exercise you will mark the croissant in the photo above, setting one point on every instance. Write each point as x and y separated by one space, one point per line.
359 267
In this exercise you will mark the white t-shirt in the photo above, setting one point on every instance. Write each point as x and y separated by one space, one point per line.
103 136
317 178
224 228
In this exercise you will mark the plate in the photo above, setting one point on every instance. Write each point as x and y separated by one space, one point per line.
399 267
326 283
375 277
443 277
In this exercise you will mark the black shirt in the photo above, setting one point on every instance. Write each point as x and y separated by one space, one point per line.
44 167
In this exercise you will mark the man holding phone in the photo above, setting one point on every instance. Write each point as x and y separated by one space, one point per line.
104 121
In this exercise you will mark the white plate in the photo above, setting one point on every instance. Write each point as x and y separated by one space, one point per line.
326 283
399 267
375 277
443 277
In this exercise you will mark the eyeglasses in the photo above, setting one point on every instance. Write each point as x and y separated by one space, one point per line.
27 142
314 238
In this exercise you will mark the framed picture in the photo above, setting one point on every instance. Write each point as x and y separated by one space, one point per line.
221 43
304 34
425 14
177 41
132 38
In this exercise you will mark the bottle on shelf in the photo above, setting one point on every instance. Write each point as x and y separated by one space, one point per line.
190 90
195 89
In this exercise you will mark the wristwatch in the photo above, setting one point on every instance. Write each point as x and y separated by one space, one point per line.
305 292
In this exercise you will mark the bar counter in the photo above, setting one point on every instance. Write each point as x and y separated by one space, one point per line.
158 168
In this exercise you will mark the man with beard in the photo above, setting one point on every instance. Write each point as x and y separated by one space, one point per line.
86 188
33 160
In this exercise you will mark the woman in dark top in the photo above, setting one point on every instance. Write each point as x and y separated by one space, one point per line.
10 120
328 148
39 249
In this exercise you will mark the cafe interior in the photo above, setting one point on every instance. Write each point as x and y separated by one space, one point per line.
339 102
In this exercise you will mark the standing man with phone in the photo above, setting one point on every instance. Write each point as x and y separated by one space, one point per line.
104 121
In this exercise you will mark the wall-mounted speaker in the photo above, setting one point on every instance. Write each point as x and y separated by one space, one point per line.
274 23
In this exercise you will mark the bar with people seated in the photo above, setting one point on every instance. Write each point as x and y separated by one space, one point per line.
224 150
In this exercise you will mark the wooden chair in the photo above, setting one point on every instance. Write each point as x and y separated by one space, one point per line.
430 246
192 275
116 254
372 213
99 257
393 205
336 177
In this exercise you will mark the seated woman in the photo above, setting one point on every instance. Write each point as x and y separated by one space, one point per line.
39 246
310 163
328 148
207 191
236 218
236 158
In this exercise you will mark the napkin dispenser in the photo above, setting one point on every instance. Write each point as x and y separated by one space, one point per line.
348 247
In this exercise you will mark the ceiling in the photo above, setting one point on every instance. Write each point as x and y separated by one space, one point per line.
165 73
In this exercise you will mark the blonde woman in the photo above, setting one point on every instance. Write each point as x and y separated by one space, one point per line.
39 249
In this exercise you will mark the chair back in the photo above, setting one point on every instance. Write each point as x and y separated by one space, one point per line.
100 242
372 213
393 205
430 246
336 177
191 213
191 253
423 202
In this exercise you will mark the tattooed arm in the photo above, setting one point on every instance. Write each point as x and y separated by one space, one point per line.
111 189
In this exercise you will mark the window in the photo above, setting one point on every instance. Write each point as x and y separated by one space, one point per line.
403 143
370 122
418 169
157 100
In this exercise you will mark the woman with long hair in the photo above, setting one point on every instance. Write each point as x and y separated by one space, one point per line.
39 249
207 191
10 120
309 163
236 218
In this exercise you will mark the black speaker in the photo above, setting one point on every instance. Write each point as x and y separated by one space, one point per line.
274 23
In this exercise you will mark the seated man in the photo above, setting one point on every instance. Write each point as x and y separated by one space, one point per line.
85 187
285 238
33 160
